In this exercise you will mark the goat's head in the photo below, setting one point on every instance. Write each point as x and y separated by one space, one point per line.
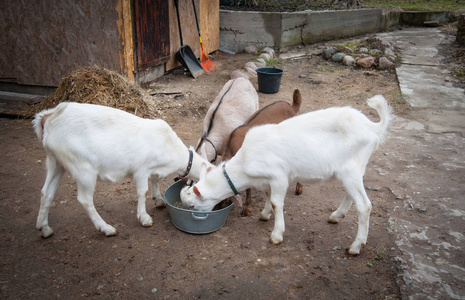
206 193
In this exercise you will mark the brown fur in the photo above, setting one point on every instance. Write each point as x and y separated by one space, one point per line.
272 114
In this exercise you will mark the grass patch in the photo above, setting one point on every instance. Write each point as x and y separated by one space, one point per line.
418 5
328 67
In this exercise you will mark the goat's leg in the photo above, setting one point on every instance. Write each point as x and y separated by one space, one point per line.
363 206
247 209
342 210
277 201
298 188
54 174
85 196
155 190
265 215
142 188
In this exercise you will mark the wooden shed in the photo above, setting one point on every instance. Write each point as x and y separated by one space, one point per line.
42 41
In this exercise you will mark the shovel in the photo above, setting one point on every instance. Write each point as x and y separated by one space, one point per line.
207 64
185 55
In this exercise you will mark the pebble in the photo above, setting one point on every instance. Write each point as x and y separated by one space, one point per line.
265 56
250 65
348 60
270 51
261 60
385 63
338 56
376 52
251 71
366 62
251 49
259 64
363 50
389 52
328 52
238 73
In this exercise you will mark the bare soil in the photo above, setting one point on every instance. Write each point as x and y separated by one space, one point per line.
238 260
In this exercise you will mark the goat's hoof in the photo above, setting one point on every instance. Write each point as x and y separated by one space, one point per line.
46 232
276 239
146 221
246 212
276 242
334 218
109 230
159 203
264 217
355 249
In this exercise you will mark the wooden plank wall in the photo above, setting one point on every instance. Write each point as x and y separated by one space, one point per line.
45 40
42 41
208 12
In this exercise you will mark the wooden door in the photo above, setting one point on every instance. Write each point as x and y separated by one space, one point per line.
152 32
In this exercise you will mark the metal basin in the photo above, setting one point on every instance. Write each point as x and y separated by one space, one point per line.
191 221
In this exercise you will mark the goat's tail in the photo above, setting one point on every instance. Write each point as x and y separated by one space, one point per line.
296 101
379 103
40 118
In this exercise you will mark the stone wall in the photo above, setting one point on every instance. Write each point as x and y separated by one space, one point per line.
279 30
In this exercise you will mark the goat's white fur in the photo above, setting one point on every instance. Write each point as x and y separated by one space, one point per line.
316 146
94 142
238 104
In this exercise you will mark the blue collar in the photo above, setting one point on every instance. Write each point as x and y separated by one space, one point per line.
231 185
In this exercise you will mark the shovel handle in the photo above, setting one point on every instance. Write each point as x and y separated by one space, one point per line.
176 3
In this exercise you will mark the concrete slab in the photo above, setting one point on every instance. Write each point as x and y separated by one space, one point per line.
424 86
429 228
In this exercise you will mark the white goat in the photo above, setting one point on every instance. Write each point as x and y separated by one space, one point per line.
94 142
235 103
316 146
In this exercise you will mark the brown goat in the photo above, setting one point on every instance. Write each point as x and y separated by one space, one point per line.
271 114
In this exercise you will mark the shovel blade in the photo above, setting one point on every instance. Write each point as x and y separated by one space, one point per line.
187 58
207 64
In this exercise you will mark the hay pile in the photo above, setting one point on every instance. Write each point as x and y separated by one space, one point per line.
97 85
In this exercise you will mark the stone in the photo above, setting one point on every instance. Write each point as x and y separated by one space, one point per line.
348 49
386 43
251 49
348 60
389 52
385 63
265 56
364 50
328 52
251 65
260 60
376 52
366 62
238 74
392 58
259 64
251 71
270 51
338 56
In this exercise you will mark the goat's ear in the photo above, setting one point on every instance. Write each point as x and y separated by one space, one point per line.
209 169
196 191
237 200
203 171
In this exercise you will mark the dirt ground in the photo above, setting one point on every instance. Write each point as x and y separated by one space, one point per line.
237 261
